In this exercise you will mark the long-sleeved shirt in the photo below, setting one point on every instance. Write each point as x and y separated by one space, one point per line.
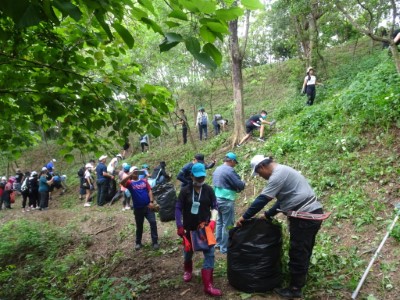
186 171
227 182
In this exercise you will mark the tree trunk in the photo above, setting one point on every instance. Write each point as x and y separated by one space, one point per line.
237 82
396 56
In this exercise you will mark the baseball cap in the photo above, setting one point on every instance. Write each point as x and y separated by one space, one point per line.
255 161
232 156
133 168
102 157
119 156
34 173
54 160
44 169
12 179
145 166
309 68
4 178
199 157
88 166
127 167
199 170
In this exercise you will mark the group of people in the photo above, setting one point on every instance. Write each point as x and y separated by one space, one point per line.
202 121
35 188
105 178
199 203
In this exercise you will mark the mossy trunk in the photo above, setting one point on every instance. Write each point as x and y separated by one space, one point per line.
237 82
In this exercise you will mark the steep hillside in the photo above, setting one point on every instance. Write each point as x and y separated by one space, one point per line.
347 145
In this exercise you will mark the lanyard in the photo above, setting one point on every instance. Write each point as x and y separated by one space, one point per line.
199 195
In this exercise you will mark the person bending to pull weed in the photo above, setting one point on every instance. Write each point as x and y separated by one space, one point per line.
293 194
143 205
256 122
197 204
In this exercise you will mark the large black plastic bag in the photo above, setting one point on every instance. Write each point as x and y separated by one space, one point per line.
165 196
254 256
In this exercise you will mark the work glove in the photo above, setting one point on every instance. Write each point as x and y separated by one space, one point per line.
180 231
212 225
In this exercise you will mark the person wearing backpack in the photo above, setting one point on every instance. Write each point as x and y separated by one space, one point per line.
25 191
33 185
202 122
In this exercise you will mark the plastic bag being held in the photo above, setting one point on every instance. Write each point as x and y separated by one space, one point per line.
254 256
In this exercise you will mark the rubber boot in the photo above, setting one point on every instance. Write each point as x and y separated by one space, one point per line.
188 267
289 293
207 276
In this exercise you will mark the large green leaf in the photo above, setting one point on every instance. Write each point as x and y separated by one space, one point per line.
23 13
67 8
218 27
207 35
206 6
153 25
48 10
193 45
178 14
252 4
148 4
171 24
190 5
138 13
229 14
100 18
124 34
206 60
213 52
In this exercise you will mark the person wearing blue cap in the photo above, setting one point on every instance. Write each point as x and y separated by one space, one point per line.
226 184
197 204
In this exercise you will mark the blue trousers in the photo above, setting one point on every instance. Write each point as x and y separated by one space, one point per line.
209 259
226 219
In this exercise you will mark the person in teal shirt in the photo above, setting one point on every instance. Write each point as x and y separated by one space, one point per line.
44 189
227 184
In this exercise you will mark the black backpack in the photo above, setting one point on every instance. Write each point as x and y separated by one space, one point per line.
81 172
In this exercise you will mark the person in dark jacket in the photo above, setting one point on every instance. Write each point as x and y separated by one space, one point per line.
185 173
34 199
160 174
256 122
226 184
293 193
197 204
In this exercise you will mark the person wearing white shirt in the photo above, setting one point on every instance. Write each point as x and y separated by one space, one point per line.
310 81
202 122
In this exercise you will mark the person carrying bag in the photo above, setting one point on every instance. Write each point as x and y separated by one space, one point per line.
195 215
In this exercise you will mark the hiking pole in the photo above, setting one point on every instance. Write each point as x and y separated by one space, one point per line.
357 290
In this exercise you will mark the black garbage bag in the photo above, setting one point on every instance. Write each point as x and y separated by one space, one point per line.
254 256
165 195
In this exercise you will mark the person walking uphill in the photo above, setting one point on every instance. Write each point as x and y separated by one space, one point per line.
293 194
310 81
197 204
143 205
202 123
226 184
256 122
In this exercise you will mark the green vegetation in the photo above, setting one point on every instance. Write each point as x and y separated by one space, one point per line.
345 144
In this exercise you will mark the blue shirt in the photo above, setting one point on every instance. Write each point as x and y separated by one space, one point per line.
139 190
99 172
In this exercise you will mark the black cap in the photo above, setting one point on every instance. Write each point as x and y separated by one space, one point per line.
199 157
